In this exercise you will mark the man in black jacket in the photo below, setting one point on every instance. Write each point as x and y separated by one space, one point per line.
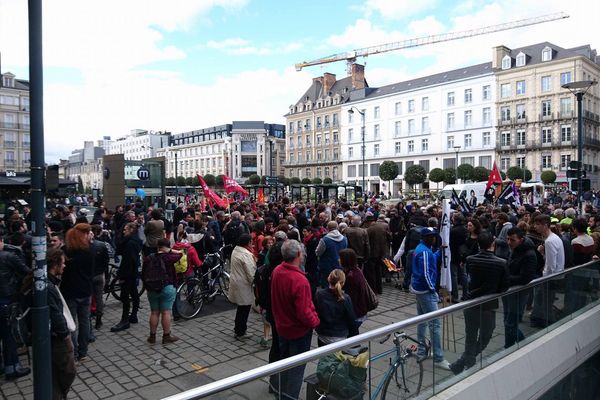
488 275
522 264
458 237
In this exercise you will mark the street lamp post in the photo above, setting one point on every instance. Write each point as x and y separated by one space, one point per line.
456 150
579 89
362 114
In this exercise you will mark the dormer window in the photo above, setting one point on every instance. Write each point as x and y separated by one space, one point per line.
8 80
547 54
520 59
506 62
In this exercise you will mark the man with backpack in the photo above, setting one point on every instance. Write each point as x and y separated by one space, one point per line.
233 230
404 254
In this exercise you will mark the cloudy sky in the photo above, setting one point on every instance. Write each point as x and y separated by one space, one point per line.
116 65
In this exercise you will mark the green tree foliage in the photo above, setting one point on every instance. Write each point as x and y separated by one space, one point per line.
514 173
317 181
253 179
263 179
295 180
210 179
327 181
449 176
436 175
465 172
306 181
548 177
480 174
220 180
180 181
415 175
170 181
388 171
189 181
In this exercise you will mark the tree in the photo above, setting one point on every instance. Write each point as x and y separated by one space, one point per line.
502 175
415 175
514 173
388 171
449 176
253 179
528 175
317 181
306 181
436 175
180 181
480 174
210 179
263 179
284 181
189 181
170 181
327 181
220 180
548 177
465 172
295 180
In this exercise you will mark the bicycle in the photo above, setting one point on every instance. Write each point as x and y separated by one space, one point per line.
113 287
203 287
406 360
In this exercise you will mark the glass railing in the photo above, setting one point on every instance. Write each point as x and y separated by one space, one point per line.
402 360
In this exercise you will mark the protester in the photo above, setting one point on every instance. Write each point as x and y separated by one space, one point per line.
356 287
335 310
243 269
328 251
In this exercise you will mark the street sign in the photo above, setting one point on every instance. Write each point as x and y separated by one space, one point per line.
574 164
143 174
272 180
572 173
586 185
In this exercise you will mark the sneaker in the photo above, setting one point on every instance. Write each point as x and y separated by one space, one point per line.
264 343
457 367
82 358
241 337
19 372
444 364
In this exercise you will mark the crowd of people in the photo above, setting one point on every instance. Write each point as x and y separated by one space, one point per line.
305 266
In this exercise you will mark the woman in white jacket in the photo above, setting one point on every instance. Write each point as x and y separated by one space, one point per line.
243 268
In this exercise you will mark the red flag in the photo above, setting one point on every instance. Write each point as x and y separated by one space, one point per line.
232 186
260 197
209 194
495 177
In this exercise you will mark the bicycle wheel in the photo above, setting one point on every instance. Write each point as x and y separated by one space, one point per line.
408 382
189 299
114 288
224 284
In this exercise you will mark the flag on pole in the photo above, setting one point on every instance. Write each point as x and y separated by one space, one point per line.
445 273
260 197
210 194
494 180
232 186
461 201
509 196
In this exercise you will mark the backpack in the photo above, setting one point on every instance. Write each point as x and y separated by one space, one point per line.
154 273
262 280
233 232
182 265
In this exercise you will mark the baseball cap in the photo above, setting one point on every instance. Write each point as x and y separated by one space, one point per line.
428 232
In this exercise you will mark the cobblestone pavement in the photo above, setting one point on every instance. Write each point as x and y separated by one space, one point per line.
124 366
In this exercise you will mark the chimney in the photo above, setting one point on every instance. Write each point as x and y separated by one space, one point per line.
499 53
358 76
328 82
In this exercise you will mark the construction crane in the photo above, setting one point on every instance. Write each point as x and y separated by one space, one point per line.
351 56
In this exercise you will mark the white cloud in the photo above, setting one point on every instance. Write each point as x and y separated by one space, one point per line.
233 42
398 9
242 47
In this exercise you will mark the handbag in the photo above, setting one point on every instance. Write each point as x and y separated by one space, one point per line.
67 314
372 300
343 375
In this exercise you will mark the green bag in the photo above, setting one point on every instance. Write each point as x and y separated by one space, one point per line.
343 375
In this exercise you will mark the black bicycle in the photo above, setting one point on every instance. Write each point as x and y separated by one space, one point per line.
203 286
113 287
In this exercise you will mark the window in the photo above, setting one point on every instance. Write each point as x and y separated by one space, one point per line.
326 156
506 62
399 164
397 148
335 154
307 124
486 138
468 140
425 145
566 105
335 137
485 161
547 54
505 114
318 172
487 116
546 135
546 161
318 122
468 160
521 137
350 152
411 146
505 139
335 120
308 140
350 135
504 163
505 90
411 106
546 108
291 157
450 100
520 60
565 133
397 128
318 140
487 92
307 155
411 126
376 112
424 164
308 173
7 81
425 104
468 96
425 125
449 163
450 142
546 83
520 87
450 121
350 117
374 169
520 111
327 121
565 77
398 108
319 156
565 159
468 118
375 149
376 132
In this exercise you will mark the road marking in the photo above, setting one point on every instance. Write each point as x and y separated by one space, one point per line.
199 369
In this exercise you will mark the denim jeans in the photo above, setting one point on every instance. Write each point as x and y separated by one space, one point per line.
426 303
291 380
9 346
80 311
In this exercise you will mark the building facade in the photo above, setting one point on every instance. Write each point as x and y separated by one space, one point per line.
313 127
537 118
138 145
15 140
86 164
430 121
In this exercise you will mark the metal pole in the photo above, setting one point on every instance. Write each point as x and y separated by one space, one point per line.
176 187
363 151
579 96
42 371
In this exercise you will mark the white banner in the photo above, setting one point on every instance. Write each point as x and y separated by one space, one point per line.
445 274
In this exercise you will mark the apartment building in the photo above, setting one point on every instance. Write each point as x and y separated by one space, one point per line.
138 145
15 141
86 164
430 121
537 118
313 137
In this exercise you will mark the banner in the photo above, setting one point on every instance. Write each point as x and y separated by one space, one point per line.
494 182
461 201
445 273
232 186
260 197
210 194
510 196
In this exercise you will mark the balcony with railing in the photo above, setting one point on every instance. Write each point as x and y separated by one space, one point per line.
10 144
10 162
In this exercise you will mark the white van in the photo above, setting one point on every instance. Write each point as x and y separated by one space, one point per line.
464 190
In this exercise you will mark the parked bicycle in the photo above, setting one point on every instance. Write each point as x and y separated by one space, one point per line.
203 287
